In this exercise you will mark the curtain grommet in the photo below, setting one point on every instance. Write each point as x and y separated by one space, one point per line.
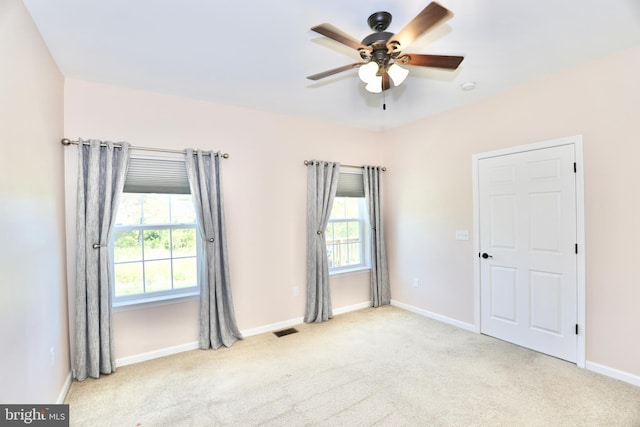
211 239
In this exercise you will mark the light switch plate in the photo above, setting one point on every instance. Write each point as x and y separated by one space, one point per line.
462 234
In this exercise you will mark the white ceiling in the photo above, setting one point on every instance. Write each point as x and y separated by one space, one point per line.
257 53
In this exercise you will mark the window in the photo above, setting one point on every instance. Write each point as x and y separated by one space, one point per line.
155 247
348 228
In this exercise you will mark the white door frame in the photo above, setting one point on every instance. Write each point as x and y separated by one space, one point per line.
576 141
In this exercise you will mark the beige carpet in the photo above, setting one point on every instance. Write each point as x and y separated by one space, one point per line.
373 367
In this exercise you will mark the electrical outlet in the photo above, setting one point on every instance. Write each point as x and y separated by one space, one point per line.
416 282
296 291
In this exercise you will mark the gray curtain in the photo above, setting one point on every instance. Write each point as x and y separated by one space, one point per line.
322 183
217 317
380 289
101 173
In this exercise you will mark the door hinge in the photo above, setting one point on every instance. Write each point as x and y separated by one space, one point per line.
575 167
576 248
576 329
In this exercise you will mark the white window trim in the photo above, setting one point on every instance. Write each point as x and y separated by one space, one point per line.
151 299
365 265
155 301
350 271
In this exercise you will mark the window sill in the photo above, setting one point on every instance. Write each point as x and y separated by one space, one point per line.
146 302
349 271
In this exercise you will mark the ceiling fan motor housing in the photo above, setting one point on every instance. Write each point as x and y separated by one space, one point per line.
379 21
382 37
379 49
380 52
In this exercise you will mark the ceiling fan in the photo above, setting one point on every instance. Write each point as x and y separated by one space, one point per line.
381 51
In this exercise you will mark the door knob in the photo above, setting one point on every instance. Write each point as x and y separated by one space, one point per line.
486 255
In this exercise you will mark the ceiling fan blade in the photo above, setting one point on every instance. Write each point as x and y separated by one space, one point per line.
386 84
437 61
333 33
334 71
430 16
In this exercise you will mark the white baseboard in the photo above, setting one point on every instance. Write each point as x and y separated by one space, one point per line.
591 366
123 361
272 327
354 307
298 320
463 325
65 389
613 373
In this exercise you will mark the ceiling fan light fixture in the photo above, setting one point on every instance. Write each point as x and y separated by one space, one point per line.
375 85
367 73
397 74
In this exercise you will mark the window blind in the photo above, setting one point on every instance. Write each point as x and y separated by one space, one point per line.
350 184
156 175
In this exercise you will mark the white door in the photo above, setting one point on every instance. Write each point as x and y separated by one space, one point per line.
527 219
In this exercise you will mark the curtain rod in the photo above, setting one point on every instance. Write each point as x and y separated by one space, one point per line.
67 141
308 162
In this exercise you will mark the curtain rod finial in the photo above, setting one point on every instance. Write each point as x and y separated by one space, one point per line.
225 156
65 141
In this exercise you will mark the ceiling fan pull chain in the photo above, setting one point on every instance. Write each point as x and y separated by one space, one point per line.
384 101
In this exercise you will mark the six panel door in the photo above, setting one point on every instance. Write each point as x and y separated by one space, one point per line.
528 281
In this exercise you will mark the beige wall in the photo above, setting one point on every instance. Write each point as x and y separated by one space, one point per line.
429 195
265 194
34 346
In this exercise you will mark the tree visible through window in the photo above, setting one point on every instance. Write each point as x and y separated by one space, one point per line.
154 246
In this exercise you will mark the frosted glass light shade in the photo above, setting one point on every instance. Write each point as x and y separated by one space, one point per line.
397 74
367 72
375 85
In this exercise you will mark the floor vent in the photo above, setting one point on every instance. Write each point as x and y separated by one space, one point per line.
284 332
